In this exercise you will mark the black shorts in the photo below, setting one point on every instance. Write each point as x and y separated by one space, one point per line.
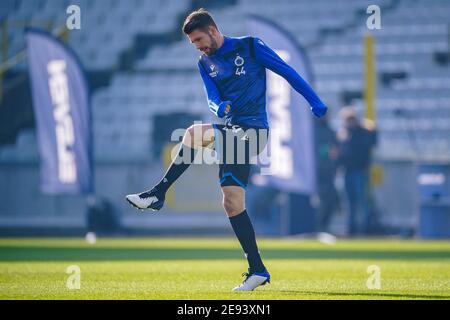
236 148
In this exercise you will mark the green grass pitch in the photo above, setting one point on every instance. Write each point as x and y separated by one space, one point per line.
204 268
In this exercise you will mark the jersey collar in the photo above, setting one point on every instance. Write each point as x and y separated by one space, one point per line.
226 45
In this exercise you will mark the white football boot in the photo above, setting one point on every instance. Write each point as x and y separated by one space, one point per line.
254 280
152 199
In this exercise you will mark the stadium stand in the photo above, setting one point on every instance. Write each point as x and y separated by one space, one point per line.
165 79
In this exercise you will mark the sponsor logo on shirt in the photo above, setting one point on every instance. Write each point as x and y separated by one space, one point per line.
213 73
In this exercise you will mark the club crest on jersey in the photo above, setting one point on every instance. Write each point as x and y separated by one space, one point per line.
239 62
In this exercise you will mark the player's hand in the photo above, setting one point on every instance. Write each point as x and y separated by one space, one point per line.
319 111
224 108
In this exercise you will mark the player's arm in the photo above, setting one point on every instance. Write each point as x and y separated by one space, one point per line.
272 61
216 105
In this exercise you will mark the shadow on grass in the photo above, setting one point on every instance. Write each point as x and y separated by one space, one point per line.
375 295
24 253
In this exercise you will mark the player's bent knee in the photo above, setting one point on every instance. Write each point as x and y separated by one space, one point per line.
189 138
232 205
194 136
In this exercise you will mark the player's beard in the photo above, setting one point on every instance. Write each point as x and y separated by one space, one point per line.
213 48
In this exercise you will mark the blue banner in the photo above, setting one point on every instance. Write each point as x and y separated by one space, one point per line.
291 163
62 111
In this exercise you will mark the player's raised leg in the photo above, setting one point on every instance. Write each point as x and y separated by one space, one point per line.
234 205
196 136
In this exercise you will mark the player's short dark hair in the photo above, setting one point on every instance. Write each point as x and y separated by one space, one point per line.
198 19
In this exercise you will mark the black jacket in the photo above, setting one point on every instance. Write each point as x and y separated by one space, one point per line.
355 149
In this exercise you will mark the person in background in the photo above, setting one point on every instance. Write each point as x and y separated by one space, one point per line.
326 157
356 141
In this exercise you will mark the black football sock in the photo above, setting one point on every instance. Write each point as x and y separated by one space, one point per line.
179 165
245 233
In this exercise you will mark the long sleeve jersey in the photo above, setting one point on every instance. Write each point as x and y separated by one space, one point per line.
236 72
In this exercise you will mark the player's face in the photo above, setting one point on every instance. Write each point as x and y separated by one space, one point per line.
204 40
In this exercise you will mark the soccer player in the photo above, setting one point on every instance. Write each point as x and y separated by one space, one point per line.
234 75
